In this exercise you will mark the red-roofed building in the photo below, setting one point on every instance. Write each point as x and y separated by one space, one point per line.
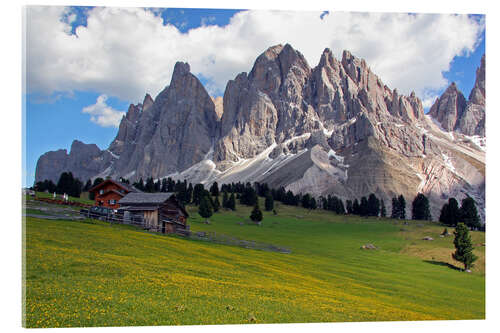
109 192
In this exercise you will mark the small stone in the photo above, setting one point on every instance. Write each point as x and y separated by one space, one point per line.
427 238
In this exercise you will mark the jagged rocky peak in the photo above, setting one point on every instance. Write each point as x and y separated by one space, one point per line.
454 113
478 92
449 107
184 126
148 102
85 161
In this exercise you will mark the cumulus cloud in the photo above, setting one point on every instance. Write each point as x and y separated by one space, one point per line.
102 114
126 52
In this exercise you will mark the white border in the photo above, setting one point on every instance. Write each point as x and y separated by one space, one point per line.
11 151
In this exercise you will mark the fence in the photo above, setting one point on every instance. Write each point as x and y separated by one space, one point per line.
63 202
134 219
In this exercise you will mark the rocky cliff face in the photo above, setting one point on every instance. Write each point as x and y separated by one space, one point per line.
335 128
454 113
85 161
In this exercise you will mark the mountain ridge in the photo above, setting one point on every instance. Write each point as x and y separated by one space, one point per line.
335 128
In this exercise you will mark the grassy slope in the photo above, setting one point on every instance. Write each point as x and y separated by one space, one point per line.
91 274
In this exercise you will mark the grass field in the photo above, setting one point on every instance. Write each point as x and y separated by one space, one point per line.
93 274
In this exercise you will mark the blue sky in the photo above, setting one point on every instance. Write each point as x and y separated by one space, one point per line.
59 91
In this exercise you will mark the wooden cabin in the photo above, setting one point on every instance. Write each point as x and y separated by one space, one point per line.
109 192
160 212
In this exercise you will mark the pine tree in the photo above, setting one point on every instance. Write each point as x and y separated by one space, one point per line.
214 189
402 207
163 185
444 216
87 186
198 191
363 207
306 200
453 212
314 205
205 209
349 209
420 208
189 193
373 205
216 204
468 213
256 214
355 207
150 185
395 214
383 212
225 199
463 246
232 202
269 202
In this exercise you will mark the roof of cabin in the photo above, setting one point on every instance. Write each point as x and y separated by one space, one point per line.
126 187
144 199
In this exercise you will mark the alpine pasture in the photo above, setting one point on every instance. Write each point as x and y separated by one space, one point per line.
91 273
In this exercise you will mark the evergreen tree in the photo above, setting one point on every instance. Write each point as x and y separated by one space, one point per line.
225 199
269 202
373 205
444 216
214 189
69 185
468 213
189 193
420 208
395 214
248 196
306 201
453 212
349 209
232 202
198 191
383 212
355 207
139 185
205 209
87 186
402 207
157 186
150 185
216 204
163 185
313 204
363 207
256 214
97 181
463 246
170 185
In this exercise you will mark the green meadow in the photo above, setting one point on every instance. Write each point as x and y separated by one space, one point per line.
91 273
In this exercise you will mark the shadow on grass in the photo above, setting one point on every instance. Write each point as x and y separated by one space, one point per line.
442 263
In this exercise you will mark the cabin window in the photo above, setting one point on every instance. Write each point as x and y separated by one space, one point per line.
112 202
101 192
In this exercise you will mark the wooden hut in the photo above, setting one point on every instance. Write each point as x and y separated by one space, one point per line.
160 212
109 192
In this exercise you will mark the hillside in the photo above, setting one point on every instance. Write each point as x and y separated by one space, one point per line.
88 273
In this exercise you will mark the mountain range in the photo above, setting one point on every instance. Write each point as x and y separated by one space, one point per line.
332 129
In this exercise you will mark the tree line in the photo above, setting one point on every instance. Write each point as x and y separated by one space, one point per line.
248 193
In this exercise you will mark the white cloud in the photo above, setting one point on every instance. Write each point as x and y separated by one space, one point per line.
126 52
102 114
